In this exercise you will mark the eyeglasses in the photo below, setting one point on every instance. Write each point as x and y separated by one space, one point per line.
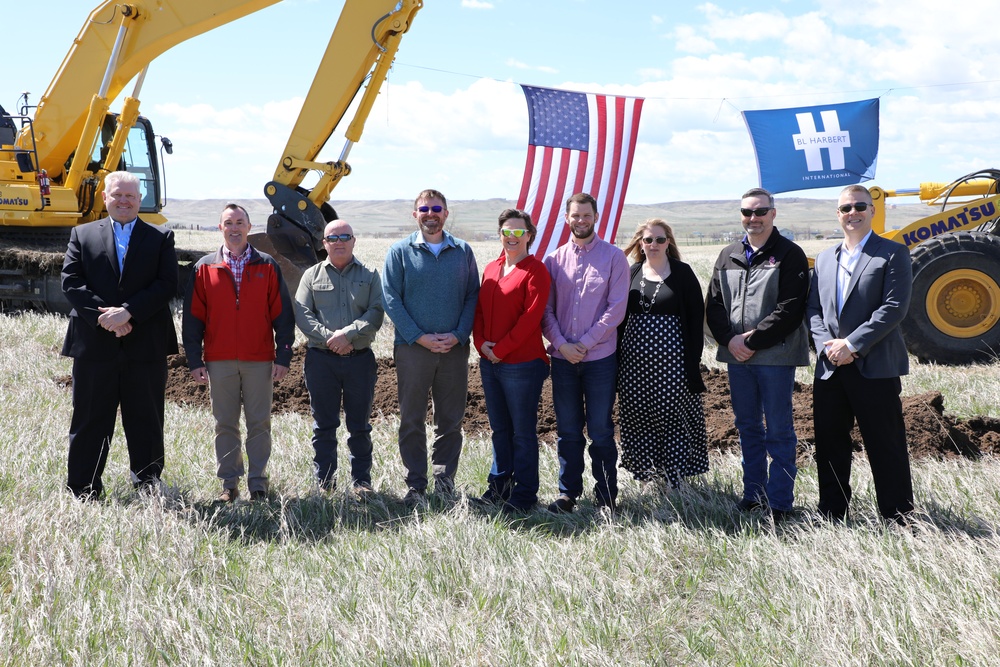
333 238
860 206
435 208
516 233
649 240
759 212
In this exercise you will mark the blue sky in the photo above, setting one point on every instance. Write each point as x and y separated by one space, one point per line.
453 118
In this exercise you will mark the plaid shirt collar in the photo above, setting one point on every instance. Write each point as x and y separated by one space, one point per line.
236 263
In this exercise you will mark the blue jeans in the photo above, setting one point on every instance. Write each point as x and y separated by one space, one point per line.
762 405
512 393
585 393
334 380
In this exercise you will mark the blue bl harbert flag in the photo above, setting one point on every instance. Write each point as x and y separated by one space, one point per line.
577 142
815 147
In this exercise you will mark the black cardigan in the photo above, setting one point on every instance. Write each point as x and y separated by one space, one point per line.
692 316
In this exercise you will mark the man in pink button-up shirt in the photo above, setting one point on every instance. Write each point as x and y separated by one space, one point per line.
586 304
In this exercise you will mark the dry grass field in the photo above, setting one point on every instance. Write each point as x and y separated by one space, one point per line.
308 578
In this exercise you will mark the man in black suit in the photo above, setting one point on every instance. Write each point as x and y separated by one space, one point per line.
119 274
860 293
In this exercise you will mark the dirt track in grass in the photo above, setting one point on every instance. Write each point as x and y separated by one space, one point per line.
930 432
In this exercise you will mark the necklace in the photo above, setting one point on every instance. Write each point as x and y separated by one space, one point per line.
647 306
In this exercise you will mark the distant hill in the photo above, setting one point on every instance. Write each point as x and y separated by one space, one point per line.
477 218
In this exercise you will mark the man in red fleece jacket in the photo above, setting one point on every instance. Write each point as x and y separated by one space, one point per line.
238 331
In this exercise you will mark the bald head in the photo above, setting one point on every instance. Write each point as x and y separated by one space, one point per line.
338 227
340 251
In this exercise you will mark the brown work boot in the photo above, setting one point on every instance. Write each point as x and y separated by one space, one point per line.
229 495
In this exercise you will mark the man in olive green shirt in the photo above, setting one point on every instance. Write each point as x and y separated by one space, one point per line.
338 306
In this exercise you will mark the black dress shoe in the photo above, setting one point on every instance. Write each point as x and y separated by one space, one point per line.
782 516
514 510
87 494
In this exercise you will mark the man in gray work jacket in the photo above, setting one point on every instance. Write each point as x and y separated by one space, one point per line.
431 283
754 308
338 306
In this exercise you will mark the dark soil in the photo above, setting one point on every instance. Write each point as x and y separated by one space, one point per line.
930 432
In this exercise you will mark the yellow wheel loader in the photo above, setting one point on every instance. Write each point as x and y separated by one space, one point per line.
954 315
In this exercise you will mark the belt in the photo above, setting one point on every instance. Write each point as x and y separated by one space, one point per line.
352 353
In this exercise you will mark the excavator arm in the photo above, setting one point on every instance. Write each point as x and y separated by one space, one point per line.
117 42
359 55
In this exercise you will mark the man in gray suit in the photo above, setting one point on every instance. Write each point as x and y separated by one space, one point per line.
860 293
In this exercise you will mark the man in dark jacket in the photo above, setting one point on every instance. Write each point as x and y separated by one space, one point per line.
238 330
754 308
119 275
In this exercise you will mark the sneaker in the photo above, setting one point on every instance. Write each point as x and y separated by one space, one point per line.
258 496
748 505
562 505
229 495
414 497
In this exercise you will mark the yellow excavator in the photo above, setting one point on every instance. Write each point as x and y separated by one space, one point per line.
54 156
954 315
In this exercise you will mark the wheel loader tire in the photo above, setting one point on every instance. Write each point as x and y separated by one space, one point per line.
954 315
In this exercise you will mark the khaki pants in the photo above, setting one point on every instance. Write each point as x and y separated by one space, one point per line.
248 384
446 378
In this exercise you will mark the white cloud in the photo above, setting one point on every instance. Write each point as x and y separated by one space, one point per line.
517 64
477 4
686 40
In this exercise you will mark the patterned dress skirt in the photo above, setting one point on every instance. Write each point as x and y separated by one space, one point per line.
662 423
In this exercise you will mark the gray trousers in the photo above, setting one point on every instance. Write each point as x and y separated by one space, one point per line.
248 384
446 377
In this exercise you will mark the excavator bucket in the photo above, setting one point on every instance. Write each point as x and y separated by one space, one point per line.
290 246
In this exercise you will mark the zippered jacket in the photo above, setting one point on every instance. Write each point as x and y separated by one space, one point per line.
767 296
257 324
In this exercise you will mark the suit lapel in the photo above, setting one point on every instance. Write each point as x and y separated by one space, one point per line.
828 288
108 236
867 252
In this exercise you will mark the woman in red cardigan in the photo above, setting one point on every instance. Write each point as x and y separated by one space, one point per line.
507 332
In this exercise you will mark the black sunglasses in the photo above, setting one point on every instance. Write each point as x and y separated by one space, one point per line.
333 238
658 239
759 212
435 208
860 206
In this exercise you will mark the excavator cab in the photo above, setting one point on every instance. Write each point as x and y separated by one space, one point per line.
138 157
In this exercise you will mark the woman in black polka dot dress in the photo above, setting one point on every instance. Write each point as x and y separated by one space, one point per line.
660 343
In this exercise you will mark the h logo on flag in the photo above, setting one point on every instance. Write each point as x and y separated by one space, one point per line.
812 142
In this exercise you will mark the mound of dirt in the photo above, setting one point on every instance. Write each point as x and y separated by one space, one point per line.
930 432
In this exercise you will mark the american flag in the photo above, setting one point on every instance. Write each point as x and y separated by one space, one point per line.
577 142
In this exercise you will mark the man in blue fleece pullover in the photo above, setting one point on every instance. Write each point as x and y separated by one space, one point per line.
431 283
